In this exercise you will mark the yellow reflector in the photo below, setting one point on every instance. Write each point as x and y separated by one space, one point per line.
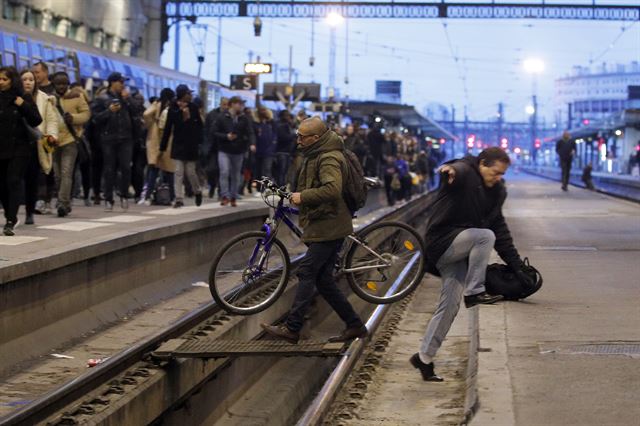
409 245
372 286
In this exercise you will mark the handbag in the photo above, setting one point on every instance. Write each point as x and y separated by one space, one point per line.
501 280
84 149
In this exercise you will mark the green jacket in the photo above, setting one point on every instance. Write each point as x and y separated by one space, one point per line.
324 215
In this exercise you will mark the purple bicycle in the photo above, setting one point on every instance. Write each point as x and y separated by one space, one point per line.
383 262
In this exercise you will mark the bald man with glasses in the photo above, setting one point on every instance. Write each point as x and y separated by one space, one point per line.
326 221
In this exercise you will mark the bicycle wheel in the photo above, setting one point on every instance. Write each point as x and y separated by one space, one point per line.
248 276
386 263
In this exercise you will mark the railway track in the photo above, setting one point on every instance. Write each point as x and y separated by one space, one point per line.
134 388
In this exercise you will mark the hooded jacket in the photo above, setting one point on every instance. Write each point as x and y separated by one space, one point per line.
467 203
187 133
324 215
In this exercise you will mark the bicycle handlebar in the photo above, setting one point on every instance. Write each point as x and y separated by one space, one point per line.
271 185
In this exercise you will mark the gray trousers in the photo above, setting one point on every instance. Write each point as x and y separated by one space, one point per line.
463 267
188 168
64 162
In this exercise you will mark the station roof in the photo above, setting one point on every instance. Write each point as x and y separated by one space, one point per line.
629 117
402 114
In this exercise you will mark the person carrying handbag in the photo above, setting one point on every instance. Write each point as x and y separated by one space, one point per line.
74 113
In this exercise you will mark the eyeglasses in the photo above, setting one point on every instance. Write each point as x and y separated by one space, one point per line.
301 136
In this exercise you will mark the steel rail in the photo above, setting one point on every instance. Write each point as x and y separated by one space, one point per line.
320 405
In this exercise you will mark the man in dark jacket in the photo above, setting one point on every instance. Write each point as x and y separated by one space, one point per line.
566 149
114 118
465 225
326 221
265 130
185 122
235 136
209 151
285 146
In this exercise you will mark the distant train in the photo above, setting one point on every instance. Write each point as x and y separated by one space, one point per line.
22 46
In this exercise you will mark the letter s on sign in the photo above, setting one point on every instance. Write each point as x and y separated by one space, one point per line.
246 83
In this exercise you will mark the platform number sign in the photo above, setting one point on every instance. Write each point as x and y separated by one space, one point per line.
244 82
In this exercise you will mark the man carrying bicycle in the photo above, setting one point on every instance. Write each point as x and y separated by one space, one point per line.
326 221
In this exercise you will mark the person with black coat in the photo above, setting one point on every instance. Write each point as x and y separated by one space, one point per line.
17 111
185 121
285 145
116 123
465 224
235 135
566 149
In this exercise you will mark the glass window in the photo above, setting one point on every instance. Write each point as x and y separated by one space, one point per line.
23 63
47 54
9 42
9 59
23 47
60 56
36 50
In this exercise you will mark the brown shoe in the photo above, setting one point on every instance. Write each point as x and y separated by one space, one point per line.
281 332
224 201
350 334
233 202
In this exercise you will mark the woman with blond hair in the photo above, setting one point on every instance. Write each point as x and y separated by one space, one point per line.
41 157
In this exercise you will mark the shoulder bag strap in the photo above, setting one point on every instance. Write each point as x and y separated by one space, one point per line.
72 131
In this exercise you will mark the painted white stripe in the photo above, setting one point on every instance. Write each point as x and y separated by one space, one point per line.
123 219
18 240
75 226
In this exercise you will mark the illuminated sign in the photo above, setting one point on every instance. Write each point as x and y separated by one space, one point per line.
257 68
244 82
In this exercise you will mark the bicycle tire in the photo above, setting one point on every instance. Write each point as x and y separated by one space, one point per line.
366 287
253 293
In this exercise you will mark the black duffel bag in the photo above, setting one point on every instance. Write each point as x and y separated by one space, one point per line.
501 280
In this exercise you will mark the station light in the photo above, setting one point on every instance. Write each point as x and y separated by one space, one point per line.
530 110
334 19
618 132
378 119
442 141
257 68
586 121
471 141
537 143
517 150
504 143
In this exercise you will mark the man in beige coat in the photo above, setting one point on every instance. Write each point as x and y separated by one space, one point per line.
74 113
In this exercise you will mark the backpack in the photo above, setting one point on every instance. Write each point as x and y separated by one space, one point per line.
501 280
354 187
162 195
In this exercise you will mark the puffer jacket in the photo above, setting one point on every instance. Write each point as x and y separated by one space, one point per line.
15 140
324 215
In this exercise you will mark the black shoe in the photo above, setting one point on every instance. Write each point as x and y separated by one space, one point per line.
62 211
281 332
29 220
199 199
564 188
178 204
427 370
8 229
350 334
481 299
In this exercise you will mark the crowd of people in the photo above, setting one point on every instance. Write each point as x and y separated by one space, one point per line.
60 144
